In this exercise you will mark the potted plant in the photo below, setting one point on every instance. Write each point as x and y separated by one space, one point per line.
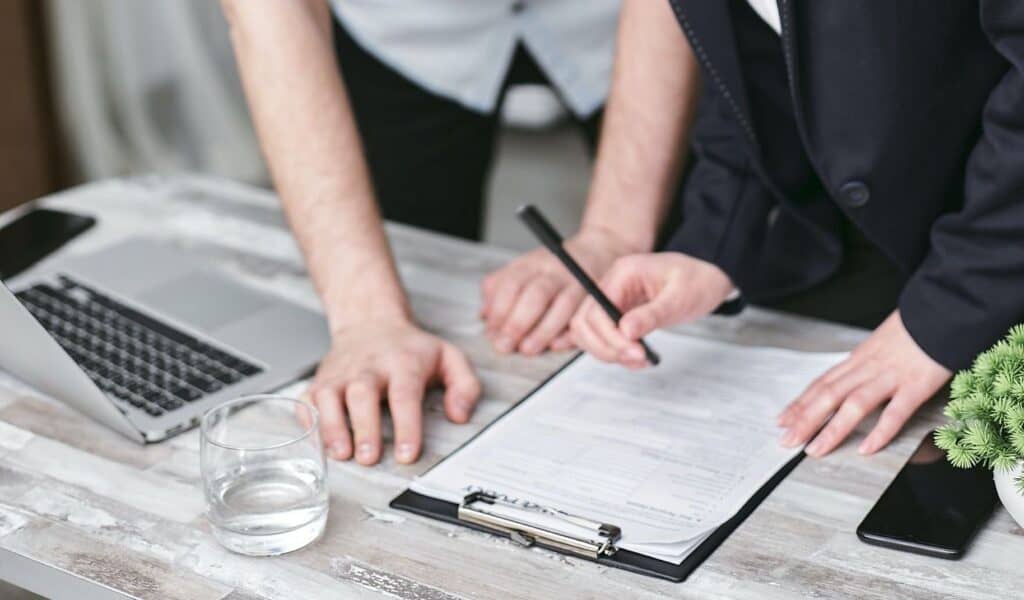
986 419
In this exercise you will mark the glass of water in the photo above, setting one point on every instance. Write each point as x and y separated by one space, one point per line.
264 474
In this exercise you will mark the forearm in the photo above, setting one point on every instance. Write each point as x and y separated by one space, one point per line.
652 102
312 146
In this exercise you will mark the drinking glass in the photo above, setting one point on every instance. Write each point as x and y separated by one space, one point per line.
264 474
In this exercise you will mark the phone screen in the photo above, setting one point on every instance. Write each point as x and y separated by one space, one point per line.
931 507
30 238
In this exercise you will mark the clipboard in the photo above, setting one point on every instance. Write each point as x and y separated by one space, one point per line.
599 547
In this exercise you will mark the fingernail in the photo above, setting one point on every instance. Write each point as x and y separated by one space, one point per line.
404 452
788 439
634 353
339 450
364 450
865 447
814 448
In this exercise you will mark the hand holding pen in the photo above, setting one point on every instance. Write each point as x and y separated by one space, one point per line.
551 239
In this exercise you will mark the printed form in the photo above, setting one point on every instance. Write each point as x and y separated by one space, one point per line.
668 453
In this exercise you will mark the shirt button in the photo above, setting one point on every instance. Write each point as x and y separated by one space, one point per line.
518 6
854 194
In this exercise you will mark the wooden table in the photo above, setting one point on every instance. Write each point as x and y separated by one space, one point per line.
85 513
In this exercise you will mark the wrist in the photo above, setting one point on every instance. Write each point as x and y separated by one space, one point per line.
621 240
382 301
352 315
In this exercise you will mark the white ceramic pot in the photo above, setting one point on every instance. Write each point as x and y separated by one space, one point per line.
1009 493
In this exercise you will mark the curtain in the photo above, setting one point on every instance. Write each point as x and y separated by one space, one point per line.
147 87
143 86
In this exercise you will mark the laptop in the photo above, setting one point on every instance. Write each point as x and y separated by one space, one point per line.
144 337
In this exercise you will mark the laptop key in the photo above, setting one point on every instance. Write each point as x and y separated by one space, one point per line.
186 393
153 410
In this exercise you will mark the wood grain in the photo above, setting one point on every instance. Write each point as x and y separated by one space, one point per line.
78 498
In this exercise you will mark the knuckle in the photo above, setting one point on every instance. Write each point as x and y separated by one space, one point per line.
859 404
896 412
626 262
364 376
596 318
515 327
407 359
324 394
404 398
359 390
540 291
827 393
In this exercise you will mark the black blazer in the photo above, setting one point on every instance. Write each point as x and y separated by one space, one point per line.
910 114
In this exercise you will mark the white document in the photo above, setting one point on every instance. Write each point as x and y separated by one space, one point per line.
668 453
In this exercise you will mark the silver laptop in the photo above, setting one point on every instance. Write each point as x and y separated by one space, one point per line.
144 337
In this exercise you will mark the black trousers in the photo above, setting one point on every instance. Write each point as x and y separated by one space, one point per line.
864 291
429 157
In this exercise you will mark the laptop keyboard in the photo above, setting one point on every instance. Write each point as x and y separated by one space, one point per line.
130 356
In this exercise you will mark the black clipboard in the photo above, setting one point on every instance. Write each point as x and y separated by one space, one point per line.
442 510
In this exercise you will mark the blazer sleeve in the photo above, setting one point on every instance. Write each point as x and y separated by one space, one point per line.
969 290
723 200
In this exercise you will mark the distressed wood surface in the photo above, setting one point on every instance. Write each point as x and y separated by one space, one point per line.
78 499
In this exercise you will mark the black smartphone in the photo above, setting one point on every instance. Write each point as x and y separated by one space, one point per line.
33 236
931 507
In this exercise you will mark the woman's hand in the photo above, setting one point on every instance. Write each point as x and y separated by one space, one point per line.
889 365
652 291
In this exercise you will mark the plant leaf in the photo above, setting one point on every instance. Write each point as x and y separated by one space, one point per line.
947 437
961 457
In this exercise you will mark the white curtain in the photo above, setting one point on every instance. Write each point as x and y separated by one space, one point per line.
146 86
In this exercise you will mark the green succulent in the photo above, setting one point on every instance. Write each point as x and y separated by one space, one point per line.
986 410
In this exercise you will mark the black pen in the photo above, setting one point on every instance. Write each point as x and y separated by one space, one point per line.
553 242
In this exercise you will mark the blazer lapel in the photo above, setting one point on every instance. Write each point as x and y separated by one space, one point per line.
708 26
791 52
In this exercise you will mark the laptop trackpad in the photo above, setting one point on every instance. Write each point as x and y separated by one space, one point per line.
203 300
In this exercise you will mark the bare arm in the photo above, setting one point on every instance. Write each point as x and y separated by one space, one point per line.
652 103
306 128
309 137
653 98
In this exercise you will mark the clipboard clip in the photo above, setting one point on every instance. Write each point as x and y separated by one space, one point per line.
600 543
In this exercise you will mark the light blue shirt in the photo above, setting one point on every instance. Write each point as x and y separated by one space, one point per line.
462 49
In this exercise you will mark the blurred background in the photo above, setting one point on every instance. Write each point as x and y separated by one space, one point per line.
110 88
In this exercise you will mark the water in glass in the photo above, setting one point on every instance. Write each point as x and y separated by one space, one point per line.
263 473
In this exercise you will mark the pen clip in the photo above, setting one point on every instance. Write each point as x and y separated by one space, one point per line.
601 541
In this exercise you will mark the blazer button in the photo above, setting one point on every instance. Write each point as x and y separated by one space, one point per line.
854 194
518 6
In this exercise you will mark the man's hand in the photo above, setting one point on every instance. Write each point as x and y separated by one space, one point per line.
644 138
652 291
887 366
527 304
396 361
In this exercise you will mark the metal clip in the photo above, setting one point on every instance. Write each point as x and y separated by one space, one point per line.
602 543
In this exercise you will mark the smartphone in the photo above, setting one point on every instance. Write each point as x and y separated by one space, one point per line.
931 507
35 235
